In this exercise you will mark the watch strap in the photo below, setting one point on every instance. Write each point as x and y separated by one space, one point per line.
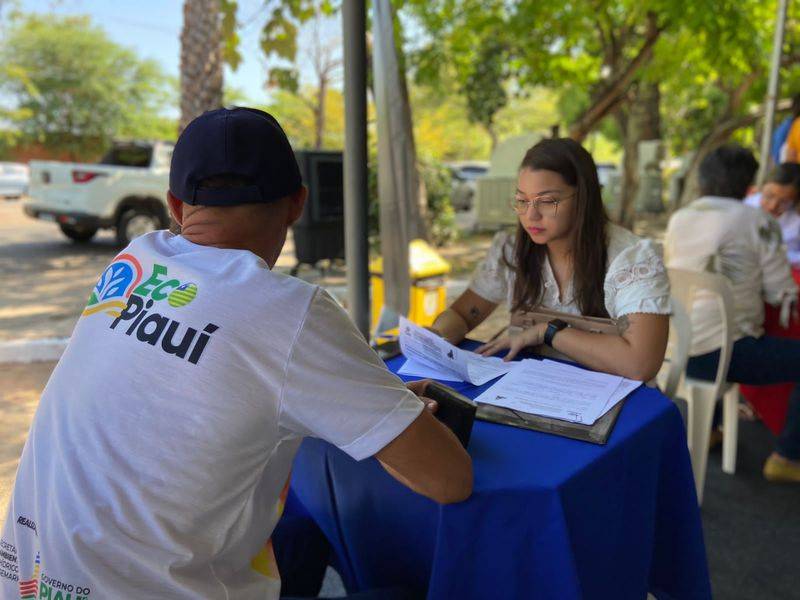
553 327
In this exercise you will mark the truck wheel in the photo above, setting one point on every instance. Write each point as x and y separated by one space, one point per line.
78 235
135 222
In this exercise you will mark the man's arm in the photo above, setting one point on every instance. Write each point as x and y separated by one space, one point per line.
428 458
337 389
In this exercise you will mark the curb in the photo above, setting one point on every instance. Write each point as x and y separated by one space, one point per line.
28 351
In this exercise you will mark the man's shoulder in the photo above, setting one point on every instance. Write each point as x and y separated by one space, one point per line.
713 207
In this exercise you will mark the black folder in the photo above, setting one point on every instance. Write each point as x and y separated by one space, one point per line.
597 433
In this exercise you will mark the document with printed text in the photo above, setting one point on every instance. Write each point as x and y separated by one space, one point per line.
427 350
552 389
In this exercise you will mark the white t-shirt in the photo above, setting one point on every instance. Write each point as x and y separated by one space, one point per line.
790 228
635 280
724 235
159 457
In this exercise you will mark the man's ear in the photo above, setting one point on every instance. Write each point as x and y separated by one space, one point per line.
296 203
175 208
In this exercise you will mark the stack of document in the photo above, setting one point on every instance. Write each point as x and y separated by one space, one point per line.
428 355
552 389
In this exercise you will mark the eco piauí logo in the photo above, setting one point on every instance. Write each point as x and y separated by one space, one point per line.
111 293
121 293
121 279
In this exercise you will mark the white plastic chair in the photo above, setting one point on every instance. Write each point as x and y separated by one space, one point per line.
702 395
680 342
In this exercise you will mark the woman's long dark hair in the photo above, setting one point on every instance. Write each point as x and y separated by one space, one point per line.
590 244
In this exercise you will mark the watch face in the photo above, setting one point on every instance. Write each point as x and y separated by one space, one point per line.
558 324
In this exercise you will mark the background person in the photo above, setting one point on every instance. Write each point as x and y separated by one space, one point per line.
567 257
779 197
779 149
158 461
719 233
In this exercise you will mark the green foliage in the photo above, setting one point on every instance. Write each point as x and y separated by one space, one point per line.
709 80
441 216
442 129
295 113
579 47
284 79
483 86
230 37
279 35
14 73
466 51
438 186
79 88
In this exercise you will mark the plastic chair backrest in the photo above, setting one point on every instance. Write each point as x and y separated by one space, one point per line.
685 286
680 342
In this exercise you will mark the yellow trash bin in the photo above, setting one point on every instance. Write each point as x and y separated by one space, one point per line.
427 296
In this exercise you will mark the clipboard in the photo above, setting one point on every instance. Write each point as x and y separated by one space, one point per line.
598 433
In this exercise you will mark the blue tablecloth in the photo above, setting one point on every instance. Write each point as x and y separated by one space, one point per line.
549 517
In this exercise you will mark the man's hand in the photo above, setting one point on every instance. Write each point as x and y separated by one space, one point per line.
533 336
418 387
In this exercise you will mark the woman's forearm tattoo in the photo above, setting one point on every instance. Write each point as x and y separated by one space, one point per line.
623 324
474 312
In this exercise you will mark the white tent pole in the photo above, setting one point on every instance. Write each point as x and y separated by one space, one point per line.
772 91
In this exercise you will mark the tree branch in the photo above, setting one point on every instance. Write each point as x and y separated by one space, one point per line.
737 96
610 95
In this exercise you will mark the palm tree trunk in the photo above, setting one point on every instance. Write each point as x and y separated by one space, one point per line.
201 59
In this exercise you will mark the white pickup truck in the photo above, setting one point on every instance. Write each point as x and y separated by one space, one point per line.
125 191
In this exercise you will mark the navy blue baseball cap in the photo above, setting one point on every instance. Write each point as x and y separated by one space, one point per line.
240 141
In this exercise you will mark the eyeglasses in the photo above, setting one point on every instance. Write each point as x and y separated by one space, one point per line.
547 206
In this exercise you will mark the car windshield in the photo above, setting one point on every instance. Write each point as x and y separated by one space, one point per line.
128 155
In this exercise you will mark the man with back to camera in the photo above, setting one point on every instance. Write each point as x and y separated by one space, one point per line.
719 233
158 460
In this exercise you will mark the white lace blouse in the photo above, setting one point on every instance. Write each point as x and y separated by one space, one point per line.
635 280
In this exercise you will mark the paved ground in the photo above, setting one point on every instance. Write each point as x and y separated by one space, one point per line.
48 278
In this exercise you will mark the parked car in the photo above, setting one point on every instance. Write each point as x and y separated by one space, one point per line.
13 179
465 173
125 191
606 173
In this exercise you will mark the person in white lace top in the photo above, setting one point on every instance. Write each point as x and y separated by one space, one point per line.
567 257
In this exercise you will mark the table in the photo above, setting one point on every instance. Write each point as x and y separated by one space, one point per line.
549 517
771 402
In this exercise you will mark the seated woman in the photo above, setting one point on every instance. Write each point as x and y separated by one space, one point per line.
567 257
780 197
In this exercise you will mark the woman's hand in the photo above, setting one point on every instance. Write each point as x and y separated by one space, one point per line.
533 336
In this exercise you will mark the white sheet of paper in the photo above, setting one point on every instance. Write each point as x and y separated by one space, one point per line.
626 386
416 369
427 348
560 391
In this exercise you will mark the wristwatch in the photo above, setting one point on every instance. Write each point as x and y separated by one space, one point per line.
553 327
